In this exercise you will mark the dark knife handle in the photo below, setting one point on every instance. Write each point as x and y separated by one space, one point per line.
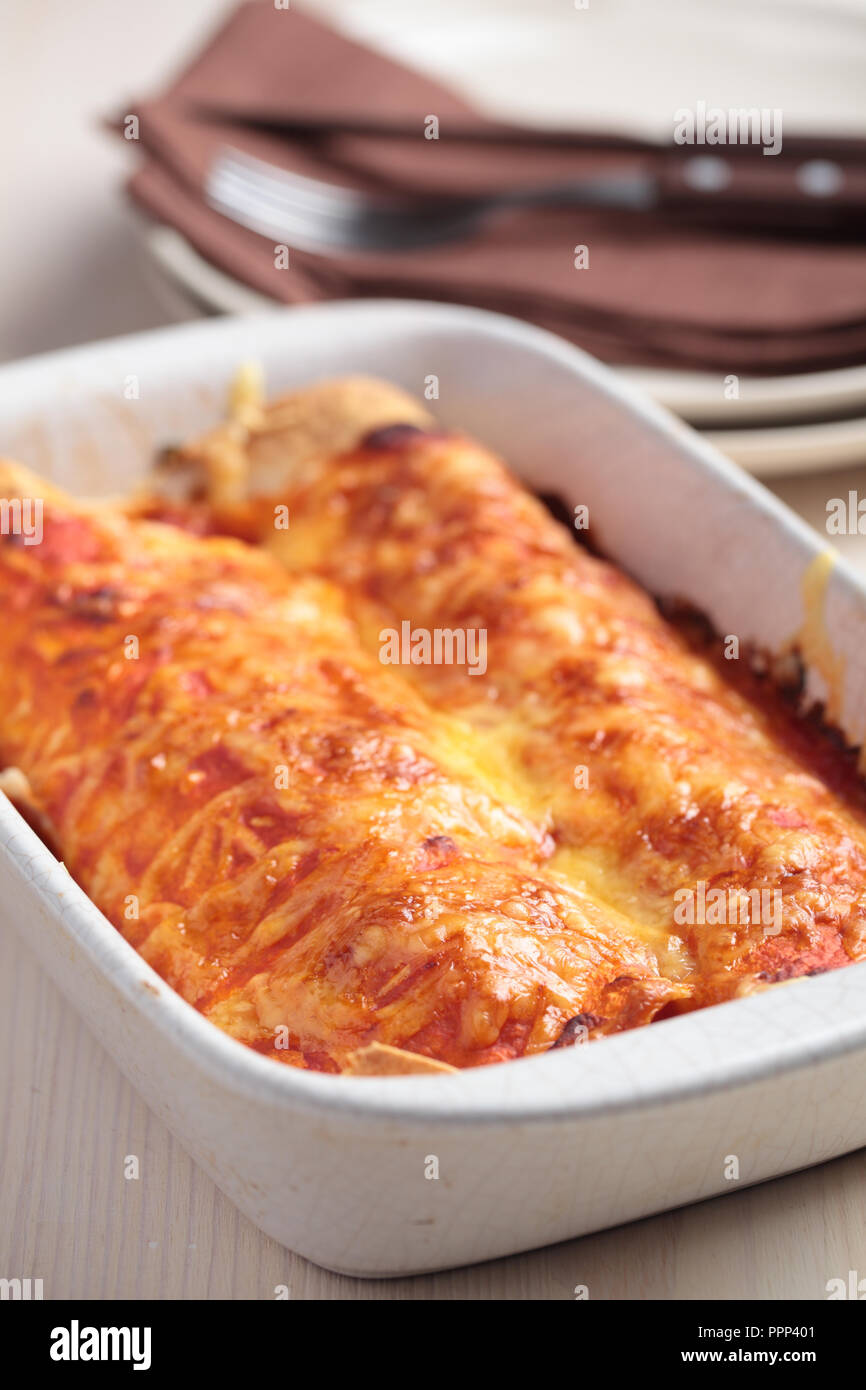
750 190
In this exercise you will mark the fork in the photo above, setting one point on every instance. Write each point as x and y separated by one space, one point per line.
317 216
322 217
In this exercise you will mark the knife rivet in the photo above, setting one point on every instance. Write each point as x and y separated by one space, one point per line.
820 177
707 173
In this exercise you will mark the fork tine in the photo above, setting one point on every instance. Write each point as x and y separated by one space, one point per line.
305 229
230 185
285 189
315 216
305 233
285 186
231 192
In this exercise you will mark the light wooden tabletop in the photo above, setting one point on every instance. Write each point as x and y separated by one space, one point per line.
71 271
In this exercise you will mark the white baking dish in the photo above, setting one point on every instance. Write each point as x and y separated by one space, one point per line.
532 1151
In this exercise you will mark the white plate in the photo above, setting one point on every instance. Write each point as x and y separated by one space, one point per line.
531 1151
790 449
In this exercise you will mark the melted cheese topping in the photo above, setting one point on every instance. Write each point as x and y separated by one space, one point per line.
346 849
299 842
665 789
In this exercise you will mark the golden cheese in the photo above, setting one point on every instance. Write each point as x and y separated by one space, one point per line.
677 792
297 841
382 771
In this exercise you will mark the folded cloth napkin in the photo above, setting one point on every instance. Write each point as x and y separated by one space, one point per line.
657 290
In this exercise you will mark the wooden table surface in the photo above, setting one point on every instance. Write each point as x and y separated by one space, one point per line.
71 271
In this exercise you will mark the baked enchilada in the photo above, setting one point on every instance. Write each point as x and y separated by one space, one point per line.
381 770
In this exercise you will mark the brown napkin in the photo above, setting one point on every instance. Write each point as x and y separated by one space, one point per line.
658 291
